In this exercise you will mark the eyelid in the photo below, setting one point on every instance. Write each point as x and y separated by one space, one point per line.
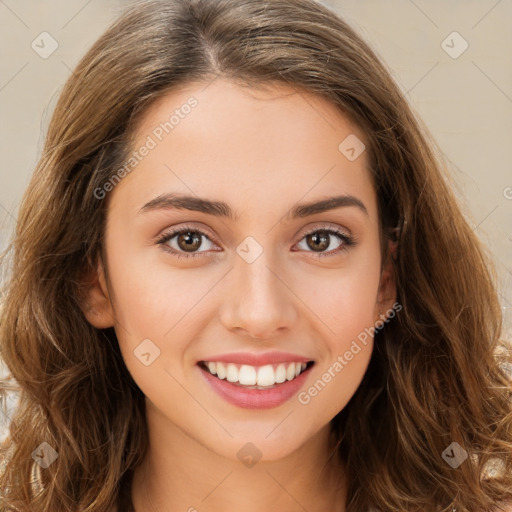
327 227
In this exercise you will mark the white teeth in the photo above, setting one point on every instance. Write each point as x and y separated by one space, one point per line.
247 375
221 371
261 376
280 373
266 376
232 373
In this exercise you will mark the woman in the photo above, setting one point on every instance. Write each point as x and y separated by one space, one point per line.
240 280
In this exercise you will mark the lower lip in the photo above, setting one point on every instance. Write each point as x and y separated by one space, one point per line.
256 398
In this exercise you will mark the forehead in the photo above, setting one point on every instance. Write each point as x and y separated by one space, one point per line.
268 146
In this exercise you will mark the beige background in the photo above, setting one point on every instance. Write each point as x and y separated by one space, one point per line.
466 102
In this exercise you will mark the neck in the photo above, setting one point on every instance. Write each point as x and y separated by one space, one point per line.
179 474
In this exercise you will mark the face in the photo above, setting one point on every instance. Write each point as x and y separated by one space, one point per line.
246 274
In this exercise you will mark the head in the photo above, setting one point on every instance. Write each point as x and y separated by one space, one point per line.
272 89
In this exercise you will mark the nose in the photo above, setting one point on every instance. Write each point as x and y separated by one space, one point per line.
258 299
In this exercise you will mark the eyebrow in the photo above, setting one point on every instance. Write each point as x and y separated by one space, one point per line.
174 201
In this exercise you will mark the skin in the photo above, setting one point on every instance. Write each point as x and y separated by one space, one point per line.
261 152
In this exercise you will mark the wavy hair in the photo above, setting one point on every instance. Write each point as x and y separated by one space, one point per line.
437 373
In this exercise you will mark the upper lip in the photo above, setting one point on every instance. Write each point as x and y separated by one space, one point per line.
255 359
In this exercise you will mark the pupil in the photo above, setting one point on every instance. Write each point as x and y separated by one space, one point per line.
321 240
191 240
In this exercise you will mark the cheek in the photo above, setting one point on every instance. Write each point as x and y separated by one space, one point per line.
155 299
334 383
343 299
158 314
347 311
346 305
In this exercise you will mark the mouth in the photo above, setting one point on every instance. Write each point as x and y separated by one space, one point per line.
264 377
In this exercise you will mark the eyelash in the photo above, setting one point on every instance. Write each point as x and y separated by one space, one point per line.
348 241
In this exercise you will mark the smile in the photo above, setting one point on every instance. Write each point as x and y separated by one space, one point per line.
252 386
255 377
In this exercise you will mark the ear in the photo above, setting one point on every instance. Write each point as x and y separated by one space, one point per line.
386 295
96 303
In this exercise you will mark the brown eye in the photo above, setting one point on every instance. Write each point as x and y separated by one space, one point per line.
189 241
185 242
320 239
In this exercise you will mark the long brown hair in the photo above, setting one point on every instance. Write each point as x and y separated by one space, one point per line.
436 375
